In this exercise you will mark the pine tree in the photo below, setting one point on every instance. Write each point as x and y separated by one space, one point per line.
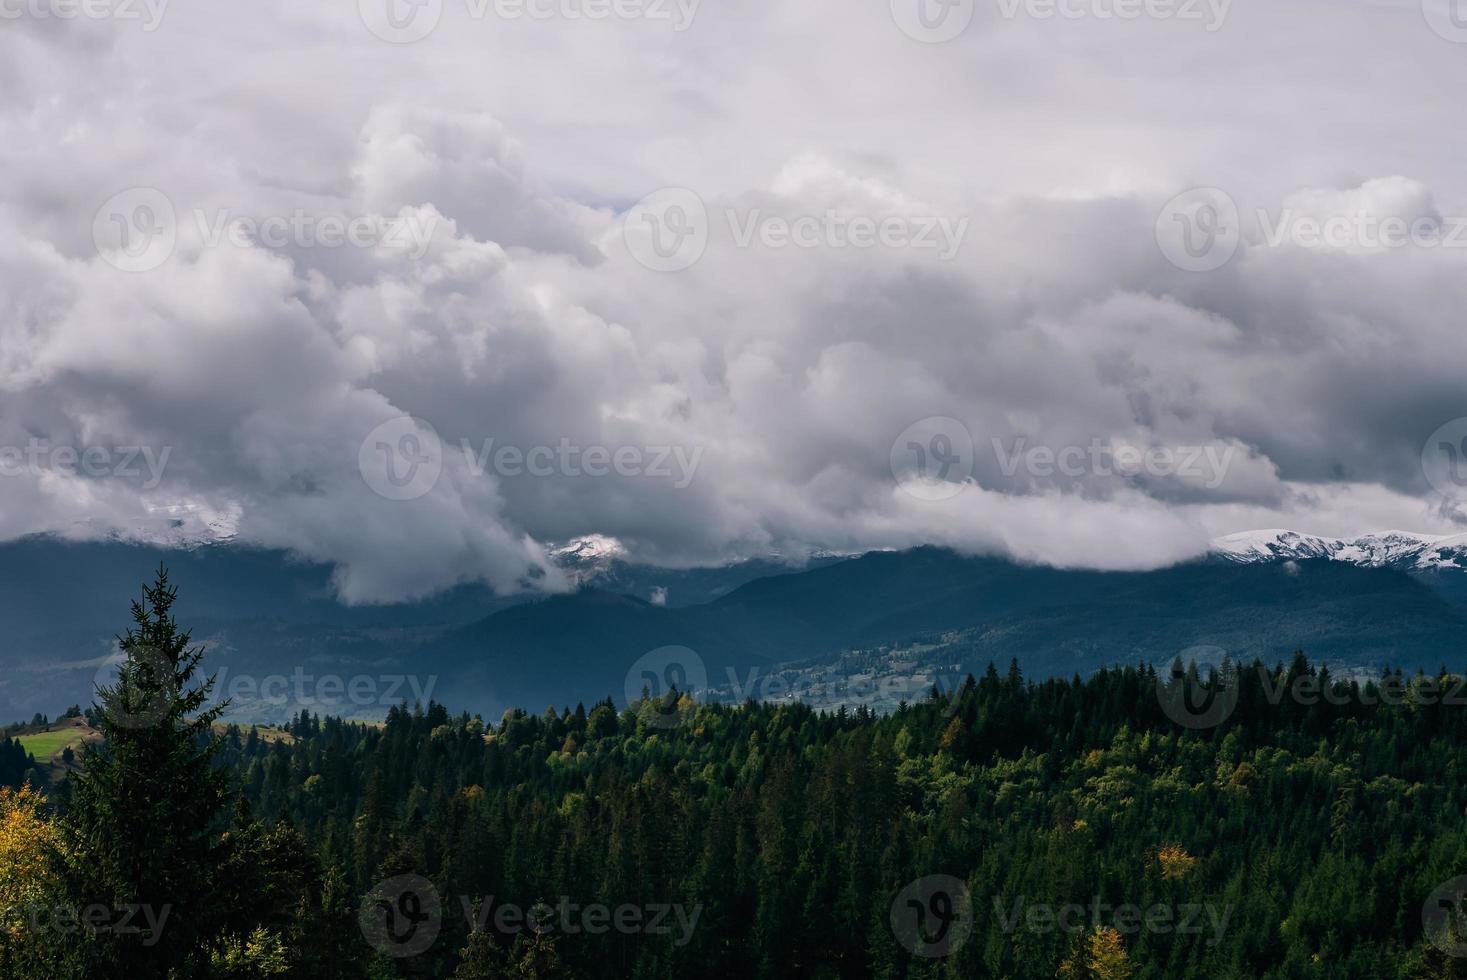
534 957
145 827
482 958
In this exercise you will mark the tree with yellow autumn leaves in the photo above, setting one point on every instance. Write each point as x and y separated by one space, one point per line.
29 846
1101 956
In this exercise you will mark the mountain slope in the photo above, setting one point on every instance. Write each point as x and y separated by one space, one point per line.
1055 622
1360 604
262 613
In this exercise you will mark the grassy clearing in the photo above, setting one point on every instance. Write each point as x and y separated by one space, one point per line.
47 746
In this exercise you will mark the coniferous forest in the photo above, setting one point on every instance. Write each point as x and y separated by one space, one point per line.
1069 828
733 490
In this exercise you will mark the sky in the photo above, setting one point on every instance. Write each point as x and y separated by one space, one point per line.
427 288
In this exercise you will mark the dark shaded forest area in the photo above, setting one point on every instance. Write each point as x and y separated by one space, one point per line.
1015 829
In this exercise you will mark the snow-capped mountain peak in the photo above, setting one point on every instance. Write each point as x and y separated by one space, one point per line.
1395 549
590 558
590 548
1269 544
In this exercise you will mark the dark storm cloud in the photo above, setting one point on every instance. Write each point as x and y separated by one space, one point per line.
757 396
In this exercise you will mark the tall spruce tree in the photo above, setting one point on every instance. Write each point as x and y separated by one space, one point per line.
145 827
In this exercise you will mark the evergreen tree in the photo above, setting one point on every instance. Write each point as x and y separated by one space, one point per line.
482 958
145 827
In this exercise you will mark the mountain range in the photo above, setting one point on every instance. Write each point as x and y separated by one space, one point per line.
1387 549
1358 604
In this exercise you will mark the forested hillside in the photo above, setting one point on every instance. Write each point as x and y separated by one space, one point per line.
1291 841
1078 828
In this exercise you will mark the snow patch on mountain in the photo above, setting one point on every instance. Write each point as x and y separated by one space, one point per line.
590 558
1384 549
590 548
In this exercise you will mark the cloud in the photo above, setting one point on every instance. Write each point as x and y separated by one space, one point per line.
464 164
1112 409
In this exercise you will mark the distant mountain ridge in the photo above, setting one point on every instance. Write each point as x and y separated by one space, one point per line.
1384 549
599 562
1361 603
972 610
263 612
